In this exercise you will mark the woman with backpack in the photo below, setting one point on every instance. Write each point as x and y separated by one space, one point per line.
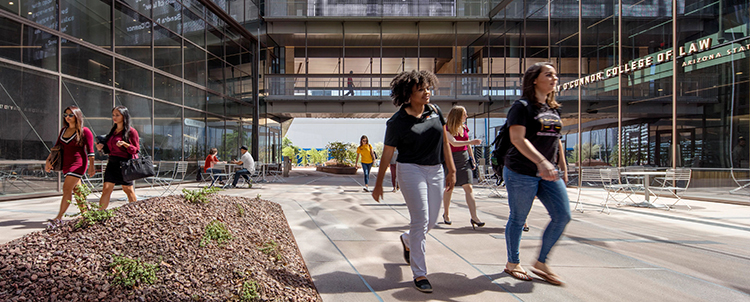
534 125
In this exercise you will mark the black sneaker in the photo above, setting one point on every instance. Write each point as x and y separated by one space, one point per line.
423 285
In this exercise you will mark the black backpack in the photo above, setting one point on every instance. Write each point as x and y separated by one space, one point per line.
501 145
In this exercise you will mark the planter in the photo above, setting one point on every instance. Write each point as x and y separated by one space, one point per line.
338 170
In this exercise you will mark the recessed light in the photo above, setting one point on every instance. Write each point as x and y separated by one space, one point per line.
11 3
661 89
739 72
29 13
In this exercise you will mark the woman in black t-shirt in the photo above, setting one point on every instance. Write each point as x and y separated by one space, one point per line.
416 130
529 171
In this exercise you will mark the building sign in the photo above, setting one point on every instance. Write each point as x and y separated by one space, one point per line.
658 58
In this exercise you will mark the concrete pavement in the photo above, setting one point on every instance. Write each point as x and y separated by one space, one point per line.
350 245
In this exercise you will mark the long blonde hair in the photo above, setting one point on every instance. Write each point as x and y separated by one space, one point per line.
454 123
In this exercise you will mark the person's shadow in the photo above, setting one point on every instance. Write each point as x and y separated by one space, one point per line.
446 286
23 224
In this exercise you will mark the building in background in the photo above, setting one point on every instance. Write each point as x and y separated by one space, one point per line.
650 83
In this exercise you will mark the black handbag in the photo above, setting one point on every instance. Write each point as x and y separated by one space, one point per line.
137 168
54 158
472 165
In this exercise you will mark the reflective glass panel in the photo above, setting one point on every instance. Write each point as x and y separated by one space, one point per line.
85 63
167 131
132 34
88 20
132 78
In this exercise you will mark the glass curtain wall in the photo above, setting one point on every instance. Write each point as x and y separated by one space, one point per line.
177 67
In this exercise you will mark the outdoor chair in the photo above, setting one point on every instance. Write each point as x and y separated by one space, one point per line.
676 182
274 171
587 177
96 182
163 175
488 179
613 185
177 178
226 175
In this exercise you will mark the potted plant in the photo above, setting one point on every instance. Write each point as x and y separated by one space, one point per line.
342 155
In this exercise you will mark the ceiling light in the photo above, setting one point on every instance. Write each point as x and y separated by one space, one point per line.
29 13
661 89
11 3
739 72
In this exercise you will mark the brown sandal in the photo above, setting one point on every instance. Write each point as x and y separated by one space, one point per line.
551 278
520 275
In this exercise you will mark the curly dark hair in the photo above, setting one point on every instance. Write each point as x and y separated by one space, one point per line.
402 84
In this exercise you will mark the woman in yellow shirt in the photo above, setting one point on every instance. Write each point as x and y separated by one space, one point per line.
368 156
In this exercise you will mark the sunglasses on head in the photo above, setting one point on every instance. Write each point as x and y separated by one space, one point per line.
68 115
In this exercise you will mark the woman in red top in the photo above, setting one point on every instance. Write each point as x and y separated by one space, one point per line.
208 166
77 145
462 155
122 145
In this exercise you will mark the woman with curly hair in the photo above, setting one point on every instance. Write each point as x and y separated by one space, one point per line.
77 144
416 131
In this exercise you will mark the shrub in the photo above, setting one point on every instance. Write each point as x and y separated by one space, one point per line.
90 214
343 153
130 272
216 230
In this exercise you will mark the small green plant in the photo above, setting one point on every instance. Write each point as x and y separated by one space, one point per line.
249 291
199 196
216 230
131 272
270 248
240 210
90 214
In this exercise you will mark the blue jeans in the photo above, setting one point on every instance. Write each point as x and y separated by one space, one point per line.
241 172
366 168
215 171
521 191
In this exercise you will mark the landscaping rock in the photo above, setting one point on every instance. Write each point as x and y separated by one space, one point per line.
73 264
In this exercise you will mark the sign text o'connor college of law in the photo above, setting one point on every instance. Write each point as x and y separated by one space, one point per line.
646 62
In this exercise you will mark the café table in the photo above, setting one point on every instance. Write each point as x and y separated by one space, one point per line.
646 183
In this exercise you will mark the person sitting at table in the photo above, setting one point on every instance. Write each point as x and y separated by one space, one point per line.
208 167
248 167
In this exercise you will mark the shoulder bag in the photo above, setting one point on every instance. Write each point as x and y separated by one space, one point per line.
54 158
137 167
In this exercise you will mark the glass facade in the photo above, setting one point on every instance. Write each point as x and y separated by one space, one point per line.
643 84
177 66
648 84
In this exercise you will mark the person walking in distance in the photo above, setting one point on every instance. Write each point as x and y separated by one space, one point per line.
393 167
368 158
534 125
350 84
122 143
416 131
77 144
463 159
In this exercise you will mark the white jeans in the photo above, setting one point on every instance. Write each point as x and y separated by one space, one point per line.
422 188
